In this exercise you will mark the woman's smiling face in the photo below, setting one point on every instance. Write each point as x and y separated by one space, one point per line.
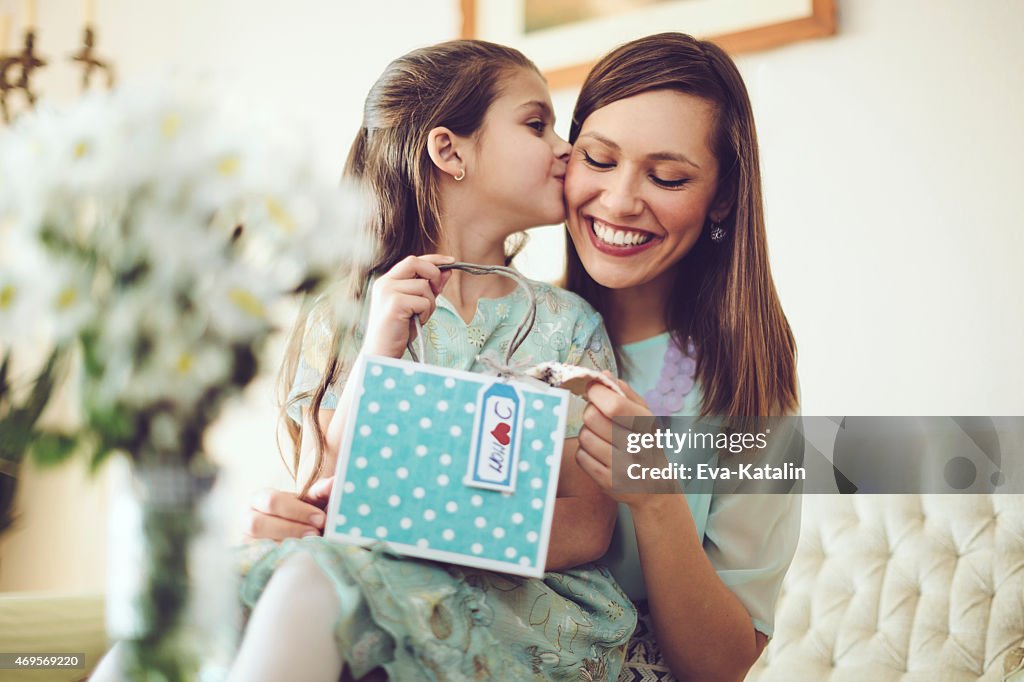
640 184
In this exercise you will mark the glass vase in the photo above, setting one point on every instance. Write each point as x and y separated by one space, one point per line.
171 597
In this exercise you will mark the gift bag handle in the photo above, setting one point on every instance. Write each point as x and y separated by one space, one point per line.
521 331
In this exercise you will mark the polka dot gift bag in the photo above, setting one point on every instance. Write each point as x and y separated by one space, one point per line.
450 465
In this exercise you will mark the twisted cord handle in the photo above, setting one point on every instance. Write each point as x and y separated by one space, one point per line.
522 331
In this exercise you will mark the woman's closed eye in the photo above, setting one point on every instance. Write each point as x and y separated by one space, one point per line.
665 183
593 163
668 184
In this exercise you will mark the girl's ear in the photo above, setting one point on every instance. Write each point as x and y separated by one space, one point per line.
443 148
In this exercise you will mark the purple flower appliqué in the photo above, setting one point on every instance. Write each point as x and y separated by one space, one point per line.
676 380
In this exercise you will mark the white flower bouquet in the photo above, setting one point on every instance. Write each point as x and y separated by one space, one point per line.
147 236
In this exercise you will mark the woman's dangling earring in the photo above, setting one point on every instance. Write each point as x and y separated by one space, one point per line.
461 175
717 233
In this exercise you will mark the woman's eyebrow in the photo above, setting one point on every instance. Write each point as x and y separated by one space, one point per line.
671 156
656 156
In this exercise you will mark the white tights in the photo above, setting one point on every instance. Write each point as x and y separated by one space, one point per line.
290 635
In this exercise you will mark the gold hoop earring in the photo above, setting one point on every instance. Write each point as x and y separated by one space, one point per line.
461 175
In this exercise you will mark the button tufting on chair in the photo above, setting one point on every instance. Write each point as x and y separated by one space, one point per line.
890 578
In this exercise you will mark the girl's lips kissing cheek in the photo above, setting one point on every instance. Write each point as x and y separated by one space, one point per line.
618 240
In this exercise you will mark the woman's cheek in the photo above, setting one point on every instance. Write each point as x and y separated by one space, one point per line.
572 190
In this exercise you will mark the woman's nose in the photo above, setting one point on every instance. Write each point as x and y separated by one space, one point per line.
619 196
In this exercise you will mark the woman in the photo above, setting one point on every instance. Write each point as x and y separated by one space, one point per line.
664 210
668 242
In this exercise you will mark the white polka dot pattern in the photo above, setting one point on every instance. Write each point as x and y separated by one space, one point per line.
409 454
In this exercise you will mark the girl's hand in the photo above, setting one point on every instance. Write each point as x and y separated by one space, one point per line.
277 514
410 288
595 451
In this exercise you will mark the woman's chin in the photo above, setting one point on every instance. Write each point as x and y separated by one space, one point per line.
611 275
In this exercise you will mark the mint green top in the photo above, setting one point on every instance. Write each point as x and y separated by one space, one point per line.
750 539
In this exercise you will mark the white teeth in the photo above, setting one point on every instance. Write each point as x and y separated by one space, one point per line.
619 237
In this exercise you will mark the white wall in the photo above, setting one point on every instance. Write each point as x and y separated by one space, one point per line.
891 166
889 159
890 156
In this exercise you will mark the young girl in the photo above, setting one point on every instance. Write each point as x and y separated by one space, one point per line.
458 151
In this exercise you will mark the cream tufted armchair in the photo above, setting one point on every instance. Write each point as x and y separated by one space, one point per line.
902 587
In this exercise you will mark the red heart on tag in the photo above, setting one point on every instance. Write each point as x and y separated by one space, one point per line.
501 432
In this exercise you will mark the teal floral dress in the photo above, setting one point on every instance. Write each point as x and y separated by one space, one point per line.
424 620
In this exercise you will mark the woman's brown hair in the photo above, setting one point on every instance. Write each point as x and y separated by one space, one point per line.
450 84
723 295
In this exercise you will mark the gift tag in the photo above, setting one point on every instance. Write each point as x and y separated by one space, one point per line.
494 452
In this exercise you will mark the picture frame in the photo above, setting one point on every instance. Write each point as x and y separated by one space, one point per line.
565 50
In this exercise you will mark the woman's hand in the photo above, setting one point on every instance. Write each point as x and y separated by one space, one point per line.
408 289
277 514
595 454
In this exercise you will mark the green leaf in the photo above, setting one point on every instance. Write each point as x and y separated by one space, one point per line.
4 368
8 487
92 361
98 458
115 424
51 449
15 435
43 388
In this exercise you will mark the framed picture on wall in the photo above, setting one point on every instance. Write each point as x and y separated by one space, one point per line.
565 37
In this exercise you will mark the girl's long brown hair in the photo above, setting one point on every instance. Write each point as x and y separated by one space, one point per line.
451 84
724 296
